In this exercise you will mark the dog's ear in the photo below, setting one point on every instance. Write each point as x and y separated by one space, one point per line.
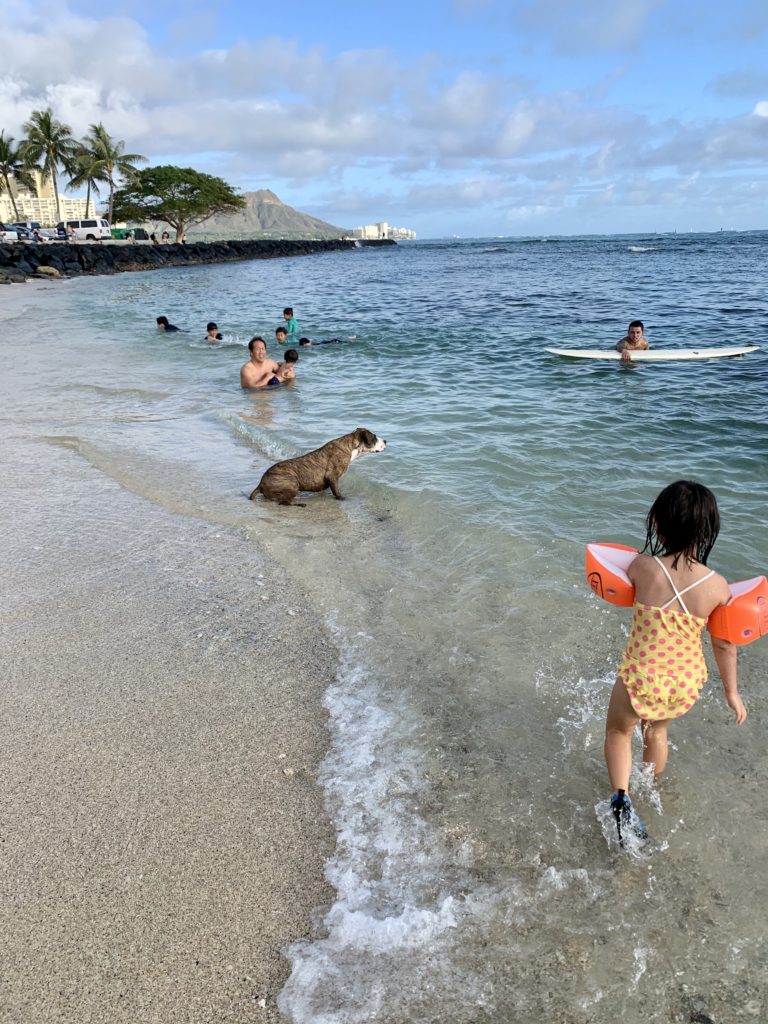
365 437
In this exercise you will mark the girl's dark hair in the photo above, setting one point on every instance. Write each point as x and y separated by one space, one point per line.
683 520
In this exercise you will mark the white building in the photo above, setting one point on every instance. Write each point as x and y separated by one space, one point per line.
40 203
382 230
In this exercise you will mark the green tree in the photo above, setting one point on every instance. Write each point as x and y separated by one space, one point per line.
111 159
86 170
49 143
178 196
13 165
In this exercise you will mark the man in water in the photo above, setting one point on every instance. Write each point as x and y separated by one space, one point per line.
635 341
258 371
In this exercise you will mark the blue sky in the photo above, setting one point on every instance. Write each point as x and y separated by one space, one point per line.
452 117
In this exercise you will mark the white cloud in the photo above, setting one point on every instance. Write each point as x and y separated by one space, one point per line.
417 134
590 24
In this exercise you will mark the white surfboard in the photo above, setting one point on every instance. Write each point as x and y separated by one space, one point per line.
654 354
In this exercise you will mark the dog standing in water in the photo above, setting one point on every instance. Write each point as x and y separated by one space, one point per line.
319 469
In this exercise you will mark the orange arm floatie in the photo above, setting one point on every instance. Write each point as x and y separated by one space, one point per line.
742 620
607 566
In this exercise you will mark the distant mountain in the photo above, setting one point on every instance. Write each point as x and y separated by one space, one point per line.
265 216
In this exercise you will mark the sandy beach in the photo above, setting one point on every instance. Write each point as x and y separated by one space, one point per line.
163 837
164 725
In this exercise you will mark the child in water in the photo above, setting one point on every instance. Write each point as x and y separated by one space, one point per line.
163 325
213 334
662 671
286 370
293 331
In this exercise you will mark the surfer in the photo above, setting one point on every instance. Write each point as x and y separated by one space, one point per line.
634 341
662 671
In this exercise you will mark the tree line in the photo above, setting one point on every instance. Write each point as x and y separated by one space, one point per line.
178 196
50 147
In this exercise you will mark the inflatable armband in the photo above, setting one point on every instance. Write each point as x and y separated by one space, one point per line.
607 566
742 620
745 617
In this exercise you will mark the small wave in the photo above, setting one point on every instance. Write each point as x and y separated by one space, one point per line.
642 248
390 868
231 342
105 390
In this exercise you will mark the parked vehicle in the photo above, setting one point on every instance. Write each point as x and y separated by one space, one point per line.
138 234
22 231
87 230
7 233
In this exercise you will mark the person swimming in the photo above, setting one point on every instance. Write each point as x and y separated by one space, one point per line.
163 325
213 333
306 342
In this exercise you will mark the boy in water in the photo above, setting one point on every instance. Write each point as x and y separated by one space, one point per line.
634 341
282 335
293 324
306 342
163 325
285 370
213 334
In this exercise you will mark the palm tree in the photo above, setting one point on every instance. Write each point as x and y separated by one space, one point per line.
86 170
49 143
111 158
12 165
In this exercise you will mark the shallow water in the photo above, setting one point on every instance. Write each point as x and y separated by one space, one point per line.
475 879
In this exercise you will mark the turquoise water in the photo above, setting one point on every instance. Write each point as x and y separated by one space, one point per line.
465 777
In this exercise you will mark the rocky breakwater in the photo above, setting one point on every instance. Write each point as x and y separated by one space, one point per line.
20 260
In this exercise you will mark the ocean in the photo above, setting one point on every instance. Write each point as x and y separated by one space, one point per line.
476 873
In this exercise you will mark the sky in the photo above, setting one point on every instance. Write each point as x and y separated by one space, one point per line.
451 117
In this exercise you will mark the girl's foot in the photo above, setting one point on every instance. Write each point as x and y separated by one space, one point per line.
628 822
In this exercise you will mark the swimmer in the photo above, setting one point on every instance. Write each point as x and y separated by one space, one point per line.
213 334
306 342
635 341
163 325
259 369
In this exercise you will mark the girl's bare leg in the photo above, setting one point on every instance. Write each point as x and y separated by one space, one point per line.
655 745
619 727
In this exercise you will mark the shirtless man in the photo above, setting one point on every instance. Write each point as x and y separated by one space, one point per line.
634 341
258 371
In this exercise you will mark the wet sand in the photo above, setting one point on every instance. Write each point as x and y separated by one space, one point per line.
161 719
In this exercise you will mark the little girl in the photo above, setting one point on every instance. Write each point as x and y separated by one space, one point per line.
662 671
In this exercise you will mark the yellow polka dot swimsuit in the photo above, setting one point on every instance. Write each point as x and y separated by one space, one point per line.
663 665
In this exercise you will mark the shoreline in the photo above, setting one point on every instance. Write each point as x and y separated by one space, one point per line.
20 260
162 723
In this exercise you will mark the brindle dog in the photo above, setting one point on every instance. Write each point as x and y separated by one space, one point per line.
317 470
